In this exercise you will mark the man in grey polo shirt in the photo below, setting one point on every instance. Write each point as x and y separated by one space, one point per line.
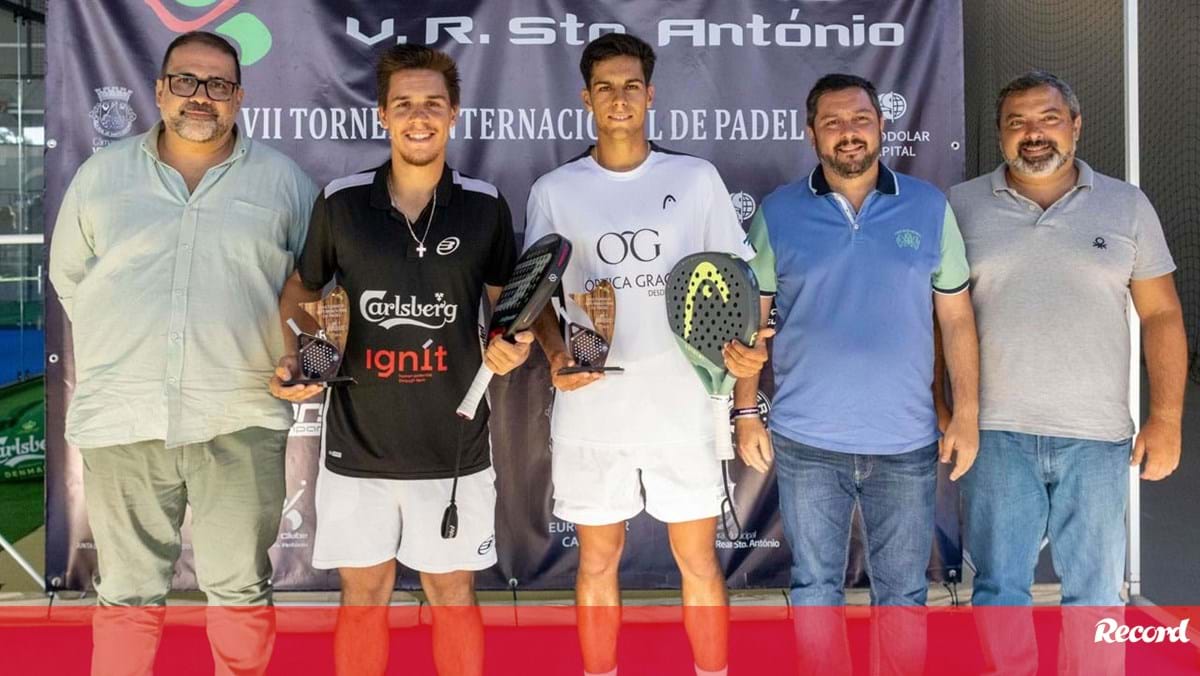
1054 249
168 255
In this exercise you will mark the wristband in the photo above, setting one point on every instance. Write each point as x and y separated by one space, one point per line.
744 413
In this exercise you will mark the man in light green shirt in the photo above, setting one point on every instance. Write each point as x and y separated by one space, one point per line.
168 255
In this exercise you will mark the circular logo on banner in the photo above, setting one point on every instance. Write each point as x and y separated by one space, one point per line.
893 105
113 116
744 205
762 401
764 406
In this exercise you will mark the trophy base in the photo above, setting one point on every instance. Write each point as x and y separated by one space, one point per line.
568 370
336 380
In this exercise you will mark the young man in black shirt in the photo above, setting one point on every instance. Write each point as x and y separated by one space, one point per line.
415 244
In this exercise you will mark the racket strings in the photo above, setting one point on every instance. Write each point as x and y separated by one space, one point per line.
522 283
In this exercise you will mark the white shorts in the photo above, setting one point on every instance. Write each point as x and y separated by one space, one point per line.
601 486
359 522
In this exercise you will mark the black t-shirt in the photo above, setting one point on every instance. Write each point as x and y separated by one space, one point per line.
414 342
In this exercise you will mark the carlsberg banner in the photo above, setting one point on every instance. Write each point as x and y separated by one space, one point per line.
22 431
731 80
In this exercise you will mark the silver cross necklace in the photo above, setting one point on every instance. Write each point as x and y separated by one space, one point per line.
432 207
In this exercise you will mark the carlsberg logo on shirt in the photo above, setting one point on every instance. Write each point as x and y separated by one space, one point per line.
388 310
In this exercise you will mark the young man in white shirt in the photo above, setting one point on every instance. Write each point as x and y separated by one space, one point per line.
641 439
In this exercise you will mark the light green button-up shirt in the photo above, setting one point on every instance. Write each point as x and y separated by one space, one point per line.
174 297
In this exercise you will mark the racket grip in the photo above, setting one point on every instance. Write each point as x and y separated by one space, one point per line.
720 418
470 403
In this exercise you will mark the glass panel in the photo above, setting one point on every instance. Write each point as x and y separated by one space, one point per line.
22 188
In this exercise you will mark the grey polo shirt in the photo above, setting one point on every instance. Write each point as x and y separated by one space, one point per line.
1049 289
174 297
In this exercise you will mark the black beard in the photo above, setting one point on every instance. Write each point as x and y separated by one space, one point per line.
847 169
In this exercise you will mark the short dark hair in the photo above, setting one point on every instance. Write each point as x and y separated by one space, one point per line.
207 39
611 45
835 82
415 57
1032 80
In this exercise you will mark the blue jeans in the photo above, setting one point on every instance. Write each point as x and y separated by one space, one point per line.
817 493
1023 488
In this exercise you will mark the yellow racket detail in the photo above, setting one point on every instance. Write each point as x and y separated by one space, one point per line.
702 274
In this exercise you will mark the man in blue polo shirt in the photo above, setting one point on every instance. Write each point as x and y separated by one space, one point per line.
863 256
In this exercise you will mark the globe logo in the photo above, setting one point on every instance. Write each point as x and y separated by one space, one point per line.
893 106
744 205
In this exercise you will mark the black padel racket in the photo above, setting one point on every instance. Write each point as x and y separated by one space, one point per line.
712 299
537 274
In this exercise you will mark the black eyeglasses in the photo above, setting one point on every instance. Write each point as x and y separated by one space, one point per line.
215 88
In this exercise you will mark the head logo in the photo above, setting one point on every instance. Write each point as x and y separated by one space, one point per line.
244 28
669 199
448 246
908 239
893 105
486 545
743 204
706 276
113 116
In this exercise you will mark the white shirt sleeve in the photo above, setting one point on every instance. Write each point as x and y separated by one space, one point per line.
537 217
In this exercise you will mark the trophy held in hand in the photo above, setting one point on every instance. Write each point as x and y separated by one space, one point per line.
589 348
320 355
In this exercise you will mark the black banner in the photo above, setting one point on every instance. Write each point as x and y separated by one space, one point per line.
731 81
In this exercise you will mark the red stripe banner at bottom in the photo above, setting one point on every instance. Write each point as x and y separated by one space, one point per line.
654 640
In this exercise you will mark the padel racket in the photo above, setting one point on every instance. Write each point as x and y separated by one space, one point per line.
534 279
712 299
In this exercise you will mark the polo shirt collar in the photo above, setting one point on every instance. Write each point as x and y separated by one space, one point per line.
149 143
885 183
380 199
999 177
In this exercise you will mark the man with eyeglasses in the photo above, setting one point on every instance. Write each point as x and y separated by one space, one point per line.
168 255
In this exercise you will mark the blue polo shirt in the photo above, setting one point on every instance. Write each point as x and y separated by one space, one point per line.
853 352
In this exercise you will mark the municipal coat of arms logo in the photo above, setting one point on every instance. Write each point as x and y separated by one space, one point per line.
112 116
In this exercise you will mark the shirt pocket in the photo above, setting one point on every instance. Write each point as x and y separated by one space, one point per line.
256 235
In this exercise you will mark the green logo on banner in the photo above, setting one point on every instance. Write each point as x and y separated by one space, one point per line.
244 28
23 430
